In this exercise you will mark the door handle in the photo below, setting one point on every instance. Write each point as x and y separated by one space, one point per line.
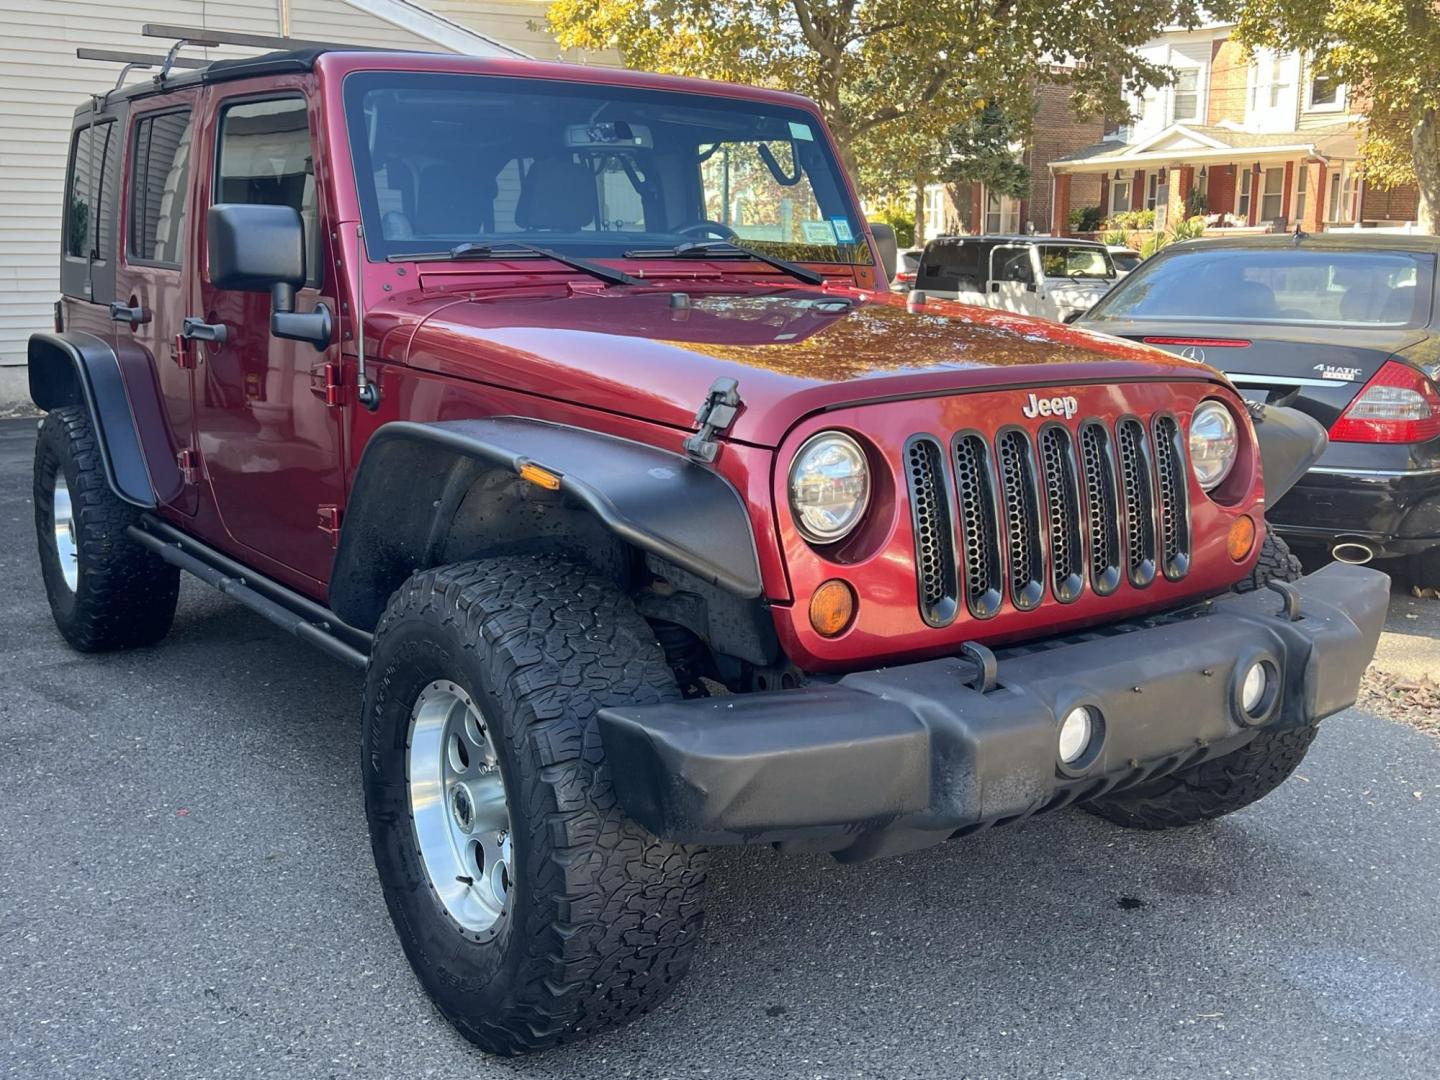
194 328
135 316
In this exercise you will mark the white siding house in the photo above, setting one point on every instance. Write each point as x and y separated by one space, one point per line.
41 83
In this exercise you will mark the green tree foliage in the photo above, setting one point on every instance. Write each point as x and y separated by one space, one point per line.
892 77
1388 53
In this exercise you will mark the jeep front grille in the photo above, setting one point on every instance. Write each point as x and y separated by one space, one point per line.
934 538
1043 518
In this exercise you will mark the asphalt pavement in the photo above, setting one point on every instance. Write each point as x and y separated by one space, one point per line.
186 891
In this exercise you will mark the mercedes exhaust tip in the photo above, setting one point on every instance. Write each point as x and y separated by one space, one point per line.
1353 552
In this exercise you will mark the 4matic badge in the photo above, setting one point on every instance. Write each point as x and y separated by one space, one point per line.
1339 374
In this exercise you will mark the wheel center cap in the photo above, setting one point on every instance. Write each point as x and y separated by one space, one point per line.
462 808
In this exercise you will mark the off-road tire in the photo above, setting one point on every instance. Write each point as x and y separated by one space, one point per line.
125 596
1225 784
602 918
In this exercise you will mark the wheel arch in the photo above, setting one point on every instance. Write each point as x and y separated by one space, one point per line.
426 494
80 369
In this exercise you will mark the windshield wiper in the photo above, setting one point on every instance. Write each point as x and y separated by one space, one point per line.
512 248
709 249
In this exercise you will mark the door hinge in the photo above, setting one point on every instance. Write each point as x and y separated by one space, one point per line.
715 415
329 515
188 462
181 352
325 383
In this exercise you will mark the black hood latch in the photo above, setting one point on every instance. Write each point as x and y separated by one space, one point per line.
716 414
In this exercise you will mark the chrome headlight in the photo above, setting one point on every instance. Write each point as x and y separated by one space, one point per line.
829 487
1214 443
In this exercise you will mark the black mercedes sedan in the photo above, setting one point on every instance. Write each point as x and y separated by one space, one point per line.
1343 326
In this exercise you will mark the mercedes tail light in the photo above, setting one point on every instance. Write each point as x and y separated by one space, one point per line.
1398 405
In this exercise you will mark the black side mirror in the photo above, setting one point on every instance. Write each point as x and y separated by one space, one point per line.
255 248
884 234
1074 316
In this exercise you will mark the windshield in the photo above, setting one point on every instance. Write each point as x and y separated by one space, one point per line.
1291 285
1075 262
590 170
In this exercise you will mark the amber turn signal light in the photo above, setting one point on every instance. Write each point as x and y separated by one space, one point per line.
832 608
539 477
1242 537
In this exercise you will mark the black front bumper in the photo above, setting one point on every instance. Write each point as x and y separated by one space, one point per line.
899 758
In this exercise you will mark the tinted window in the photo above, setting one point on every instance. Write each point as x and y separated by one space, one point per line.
159 167
264 158
953 266
89 230
1376 288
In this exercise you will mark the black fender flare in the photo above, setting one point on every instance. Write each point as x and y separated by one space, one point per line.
1290 442
79 368
656 500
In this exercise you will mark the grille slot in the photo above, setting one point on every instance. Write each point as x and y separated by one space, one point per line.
934 533
1135 470
1022 518
1174 509
1062 512
1097 462
979 531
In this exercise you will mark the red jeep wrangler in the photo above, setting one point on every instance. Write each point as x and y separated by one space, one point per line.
570 405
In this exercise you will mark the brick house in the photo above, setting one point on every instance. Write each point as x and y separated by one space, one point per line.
958 209
1265 142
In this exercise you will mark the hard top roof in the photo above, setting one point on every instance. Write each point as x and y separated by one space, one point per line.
1018 238
360 57
1346 239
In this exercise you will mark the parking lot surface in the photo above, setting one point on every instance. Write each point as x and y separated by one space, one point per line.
186 891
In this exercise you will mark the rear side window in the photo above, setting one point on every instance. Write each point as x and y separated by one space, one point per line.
160 166
1290 285
89 227
952 266
265 158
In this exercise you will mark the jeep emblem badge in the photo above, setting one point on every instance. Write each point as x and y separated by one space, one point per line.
1055 406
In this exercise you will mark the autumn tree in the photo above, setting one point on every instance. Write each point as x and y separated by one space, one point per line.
1388 53
891 76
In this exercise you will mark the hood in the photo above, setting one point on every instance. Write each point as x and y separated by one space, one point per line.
654 354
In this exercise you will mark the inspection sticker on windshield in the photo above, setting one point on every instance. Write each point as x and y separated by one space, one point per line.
817 232
801 131
842 230
1340 374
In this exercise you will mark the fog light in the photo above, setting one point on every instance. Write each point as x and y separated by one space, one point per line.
1255 688
1076 731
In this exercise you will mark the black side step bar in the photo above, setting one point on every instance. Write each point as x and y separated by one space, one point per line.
284 607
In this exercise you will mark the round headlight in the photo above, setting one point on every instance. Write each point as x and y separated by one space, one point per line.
829 487
1214 443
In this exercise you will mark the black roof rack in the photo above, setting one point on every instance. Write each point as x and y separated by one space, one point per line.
287 55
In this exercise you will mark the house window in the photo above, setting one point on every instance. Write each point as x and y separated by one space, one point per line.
1185 101
1152 190
1272 198
1326 93
1278 85
934 210
1242 193
1002 213
1301 190
1119 195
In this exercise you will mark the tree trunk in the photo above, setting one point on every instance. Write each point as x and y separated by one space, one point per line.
919 211
1426 143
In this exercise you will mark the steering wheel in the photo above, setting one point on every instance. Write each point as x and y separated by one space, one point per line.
708 228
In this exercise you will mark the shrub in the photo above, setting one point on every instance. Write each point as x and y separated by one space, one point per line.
1085 218
902 221
1116 237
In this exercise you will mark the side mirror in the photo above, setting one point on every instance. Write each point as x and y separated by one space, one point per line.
884 234
256 248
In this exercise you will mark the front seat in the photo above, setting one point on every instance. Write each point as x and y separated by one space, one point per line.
557 195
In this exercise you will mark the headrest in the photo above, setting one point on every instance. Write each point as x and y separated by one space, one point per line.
557 195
